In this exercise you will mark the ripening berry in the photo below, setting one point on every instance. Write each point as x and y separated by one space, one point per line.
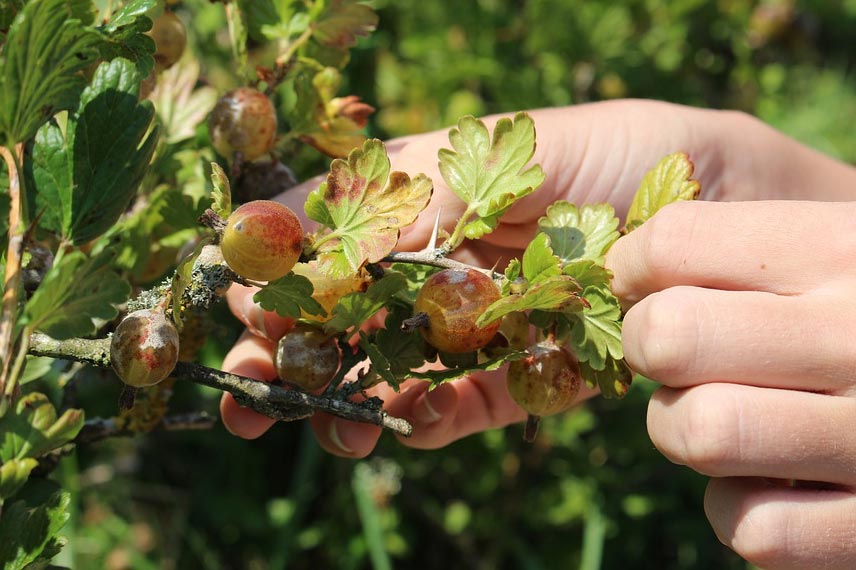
306 357
170 39
244 121
144 348
546 381
262 240
453 299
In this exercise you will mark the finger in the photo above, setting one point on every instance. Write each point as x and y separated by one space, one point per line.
783 528
725 430
344 438
263 324
250 357
685 336
757 246
472 404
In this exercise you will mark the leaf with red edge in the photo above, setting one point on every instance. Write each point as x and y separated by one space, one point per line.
363 207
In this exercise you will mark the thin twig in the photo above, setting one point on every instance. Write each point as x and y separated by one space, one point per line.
268 399
434 258
102 428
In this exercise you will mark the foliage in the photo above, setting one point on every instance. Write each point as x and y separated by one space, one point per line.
114 183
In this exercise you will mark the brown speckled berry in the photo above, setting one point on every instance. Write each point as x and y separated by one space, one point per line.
144 348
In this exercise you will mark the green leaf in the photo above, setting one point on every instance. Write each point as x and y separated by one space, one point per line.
222 193
365 207
13 474
84 181
30 524
77 291
596 331
47 45
416 275
392 353
181 103
588 273
33 428
35 368
539 263
669 181
354 309
559 293
125 36
289 296
580 233
487 174
614 380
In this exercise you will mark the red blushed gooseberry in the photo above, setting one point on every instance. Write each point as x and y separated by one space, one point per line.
546 380
144 348
244 121
453 299
262 240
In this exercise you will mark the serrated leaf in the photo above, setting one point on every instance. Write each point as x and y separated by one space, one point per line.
613 381
588 273
288 296
580 233
222 193
558 293
30 524
47 45
125 36
392 353
364 207
354 309
596 331
84 181
539 263
76 291
13 475
33 428
487 174
669 181
513 270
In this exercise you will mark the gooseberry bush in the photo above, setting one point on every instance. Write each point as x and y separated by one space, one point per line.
120 224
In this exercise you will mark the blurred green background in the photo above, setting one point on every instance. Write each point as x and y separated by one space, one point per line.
592 492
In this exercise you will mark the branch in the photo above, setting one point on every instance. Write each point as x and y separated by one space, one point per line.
12 277
434 258
103 428
268 399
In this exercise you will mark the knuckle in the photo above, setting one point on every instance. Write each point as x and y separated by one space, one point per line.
663 335
710 436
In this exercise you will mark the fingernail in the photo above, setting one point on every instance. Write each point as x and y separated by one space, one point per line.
254 317
424 412
333 433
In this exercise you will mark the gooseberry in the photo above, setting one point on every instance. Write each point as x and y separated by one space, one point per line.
144 348
546 380
306 357
244 121
170 39
262 240
452 300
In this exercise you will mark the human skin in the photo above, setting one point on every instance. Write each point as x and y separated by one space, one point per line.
739 305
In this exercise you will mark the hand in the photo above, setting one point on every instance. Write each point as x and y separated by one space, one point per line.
745 312
590 153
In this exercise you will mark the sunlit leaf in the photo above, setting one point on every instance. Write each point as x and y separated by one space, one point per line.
580 233
364 206
669 181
